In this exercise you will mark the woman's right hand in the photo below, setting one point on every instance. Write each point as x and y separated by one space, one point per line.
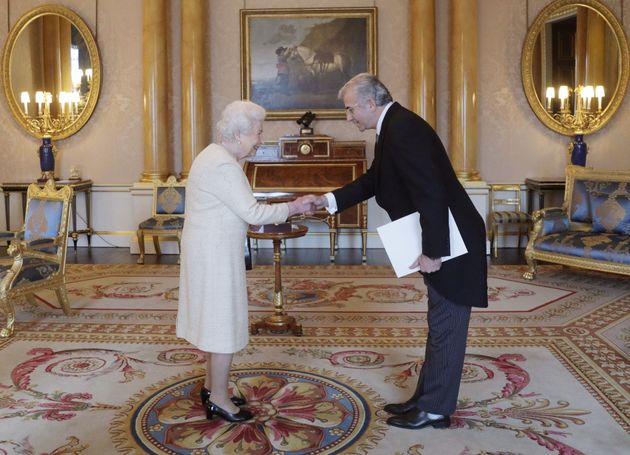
303 204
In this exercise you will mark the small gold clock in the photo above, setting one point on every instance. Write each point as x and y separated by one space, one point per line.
306 148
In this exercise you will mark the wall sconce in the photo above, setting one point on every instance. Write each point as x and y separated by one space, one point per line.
579 119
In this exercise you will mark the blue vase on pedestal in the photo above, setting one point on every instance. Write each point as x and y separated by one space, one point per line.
47 159
578 154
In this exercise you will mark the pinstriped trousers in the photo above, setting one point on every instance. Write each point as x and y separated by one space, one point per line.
441 372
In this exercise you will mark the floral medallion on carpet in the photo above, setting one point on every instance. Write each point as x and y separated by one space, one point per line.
295 411
547 369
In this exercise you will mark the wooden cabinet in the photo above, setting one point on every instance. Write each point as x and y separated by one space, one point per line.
299 165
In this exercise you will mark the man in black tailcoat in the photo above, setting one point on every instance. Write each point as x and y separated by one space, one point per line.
412 172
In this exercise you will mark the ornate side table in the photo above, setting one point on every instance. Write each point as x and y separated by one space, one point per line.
79 186
279 322
542 186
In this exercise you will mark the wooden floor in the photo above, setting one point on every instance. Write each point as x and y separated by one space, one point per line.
264 256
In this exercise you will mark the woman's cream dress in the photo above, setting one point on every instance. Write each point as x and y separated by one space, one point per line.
212 312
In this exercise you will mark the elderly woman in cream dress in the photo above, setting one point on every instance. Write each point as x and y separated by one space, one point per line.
212 312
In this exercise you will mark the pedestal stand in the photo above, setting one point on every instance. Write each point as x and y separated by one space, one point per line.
279 322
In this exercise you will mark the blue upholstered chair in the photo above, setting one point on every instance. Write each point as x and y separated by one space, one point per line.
506 213
38 252
167 220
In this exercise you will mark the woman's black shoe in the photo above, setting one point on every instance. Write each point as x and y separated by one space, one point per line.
240 416
205 396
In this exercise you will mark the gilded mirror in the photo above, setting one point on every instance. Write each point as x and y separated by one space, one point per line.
575 61
51 72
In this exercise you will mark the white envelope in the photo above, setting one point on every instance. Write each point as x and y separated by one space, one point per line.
402 240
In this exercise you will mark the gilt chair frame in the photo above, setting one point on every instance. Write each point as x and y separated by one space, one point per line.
508 202
21 249
156 234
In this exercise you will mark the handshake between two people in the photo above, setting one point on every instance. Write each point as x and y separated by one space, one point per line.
307 205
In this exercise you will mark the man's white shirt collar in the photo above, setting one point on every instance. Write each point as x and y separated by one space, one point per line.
380 119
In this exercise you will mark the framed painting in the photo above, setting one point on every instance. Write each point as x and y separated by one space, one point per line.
296 60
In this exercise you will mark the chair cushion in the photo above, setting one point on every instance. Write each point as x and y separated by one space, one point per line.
611 212
553 223
43 219
33 269
501 217
160 223
603 246
170 200
581 208
580 202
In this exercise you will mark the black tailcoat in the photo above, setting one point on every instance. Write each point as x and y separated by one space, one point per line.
412 172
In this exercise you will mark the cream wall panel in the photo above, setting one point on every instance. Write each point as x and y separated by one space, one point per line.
506 124
111 144
112 212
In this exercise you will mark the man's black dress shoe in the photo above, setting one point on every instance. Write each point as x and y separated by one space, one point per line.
213 410
205 396
399 408
415 420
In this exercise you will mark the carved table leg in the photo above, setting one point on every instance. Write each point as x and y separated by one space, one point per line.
279 322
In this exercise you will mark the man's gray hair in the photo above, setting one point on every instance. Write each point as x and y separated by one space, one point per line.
367 86
238 117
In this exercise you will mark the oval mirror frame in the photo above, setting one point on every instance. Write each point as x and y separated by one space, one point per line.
528 54
13 98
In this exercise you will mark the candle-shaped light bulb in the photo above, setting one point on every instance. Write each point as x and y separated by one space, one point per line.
39 99
581 101
47 101
563 94
88 74
62 101
599 94
25 98
551 94
588 93
74 99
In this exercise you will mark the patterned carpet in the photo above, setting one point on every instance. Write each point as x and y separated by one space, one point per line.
547 368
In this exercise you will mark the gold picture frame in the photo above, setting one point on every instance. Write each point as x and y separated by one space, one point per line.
296 60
